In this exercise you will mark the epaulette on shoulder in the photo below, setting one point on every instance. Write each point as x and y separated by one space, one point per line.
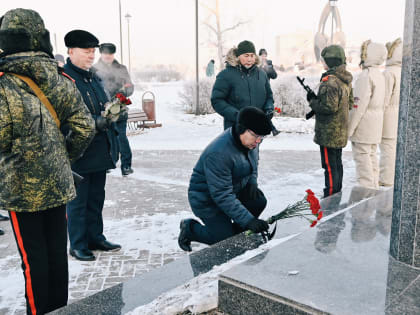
68 77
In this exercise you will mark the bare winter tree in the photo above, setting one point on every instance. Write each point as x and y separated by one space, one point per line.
217 30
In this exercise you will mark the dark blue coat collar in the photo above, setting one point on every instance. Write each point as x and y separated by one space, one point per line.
87 74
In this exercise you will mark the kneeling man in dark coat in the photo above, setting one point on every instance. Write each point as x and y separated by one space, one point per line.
223 189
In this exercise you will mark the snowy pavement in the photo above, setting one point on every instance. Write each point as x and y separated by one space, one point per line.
142 211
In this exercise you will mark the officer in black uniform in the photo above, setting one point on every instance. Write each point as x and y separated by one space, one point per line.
85 222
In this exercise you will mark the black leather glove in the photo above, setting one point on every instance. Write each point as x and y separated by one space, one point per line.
101 123
310 96
257 225
309 115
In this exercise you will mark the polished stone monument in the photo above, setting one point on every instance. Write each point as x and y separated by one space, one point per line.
340 267
405 234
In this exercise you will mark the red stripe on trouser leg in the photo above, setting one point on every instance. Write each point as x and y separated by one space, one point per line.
29 291
329 170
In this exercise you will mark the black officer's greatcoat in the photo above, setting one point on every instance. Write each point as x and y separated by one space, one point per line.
102 153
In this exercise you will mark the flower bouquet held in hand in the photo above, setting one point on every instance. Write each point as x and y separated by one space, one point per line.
308 208
116 107
277 110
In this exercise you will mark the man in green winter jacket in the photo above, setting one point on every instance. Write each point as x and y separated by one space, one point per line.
241 84
35 157
331 107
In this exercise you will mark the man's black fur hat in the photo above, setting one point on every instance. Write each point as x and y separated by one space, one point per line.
254 119
107 48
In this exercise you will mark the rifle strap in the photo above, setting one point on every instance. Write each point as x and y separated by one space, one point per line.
40 95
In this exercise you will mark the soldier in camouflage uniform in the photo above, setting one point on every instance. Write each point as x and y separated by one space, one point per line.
36 178
331 107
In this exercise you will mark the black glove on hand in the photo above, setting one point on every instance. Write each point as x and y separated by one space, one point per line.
310 96
252 191
257 226
101 123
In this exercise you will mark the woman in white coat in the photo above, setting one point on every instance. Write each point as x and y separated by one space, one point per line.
388 144
366 117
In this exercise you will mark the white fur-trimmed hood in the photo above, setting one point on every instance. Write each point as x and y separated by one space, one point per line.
395 51
372 54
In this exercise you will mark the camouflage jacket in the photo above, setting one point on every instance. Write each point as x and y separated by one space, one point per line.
34 155
332 106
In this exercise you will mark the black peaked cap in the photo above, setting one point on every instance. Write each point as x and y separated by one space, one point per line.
80 39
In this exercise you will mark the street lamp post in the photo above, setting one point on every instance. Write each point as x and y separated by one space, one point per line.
197 91
121 42
128 16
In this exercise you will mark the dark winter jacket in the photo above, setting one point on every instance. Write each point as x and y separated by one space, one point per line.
269 70
222 171
103 151
34 156
237 87
114 77
332 106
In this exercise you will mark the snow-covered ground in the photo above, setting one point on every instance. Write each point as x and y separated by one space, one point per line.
191 132
284 177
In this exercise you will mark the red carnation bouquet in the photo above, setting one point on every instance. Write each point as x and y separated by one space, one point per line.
277 110
308 208
116 106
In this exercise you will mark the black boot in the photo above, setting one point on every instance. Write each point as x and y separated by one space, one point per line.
275 132
1 232
183 241
3 218
82 254
127 171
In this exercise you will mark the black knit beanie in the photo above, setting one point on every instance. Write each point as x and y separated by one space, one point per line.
245 47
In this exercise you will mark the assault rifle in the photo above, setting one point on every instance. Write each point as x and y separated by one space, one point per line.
310 95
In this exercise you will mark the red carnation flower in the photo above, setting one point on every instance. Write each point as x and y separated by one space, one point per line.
314 222
313 203
315 208
309 192
127 101
320 214
277 109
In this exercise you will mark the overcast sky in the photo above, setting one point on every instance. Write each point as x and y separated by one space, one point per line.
162 31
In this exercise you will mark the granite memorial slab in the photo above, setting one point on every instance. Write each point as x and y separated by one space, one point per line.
143 289
340 267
